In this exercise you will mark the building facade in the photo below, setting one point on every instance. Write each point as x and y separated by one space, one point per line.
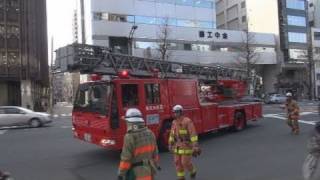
314 13
191 25
316 56
23 53
288 21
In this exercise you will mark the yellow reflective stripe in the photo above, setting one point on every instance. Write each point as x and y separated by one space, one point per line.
183 151
183 132
171 139
194 138
180 174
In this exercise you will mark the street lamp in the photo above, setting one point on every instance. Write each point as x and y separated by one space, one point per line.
130 39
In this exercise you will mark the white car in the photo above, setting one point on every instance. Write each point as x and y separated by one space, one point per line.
18 116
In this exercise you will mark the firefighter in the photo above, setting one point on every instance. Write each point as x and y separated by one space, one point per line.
183 143
292 113
139 157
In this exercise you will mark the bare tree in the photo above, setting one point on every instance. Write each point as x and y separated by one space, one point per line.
247 57
163 36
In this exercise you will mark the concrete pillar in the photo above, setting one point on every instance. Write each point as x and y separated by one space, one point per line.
26 94
269 76
3 94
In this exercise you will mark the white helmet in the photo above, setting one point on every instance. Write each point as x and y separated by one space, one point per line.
177 108
134 115
289 94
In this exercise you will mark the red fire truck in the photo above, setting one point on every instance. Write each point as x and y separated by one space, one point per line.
209 94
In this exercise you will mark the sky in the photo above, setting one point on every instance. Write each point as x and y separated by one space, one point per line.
60 15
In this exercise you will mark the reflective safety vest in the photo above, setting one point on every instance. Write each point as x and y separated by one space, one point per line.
293 110
183 136
139 155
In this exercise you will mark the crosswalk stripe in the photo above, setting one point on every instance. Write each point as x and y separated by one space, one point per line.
3 132
276 116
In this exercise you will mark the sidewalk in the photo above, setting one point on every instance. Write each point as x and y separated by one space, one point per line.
62 110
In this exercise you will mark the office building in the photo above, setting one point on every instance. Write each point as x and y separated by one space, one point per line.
23 53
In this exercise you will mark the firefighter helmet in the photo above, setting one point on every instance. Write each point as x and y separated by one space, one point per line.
177 108
289 94
134 115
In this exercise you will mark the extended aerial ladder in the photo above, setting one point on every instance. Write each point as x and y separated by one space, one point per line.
89 59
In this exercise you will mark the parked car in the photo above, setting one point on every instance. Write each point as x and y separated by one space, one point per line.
250 99
18 116
276 99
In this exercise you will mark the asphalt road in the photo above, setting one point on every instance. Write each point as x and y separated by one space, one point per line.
264 151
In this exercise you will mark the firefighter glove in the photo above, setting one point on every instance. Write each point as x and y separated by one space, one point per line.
196 151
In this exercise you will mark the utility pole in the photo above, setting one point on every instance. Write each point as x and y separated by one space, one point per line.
51 77
83 26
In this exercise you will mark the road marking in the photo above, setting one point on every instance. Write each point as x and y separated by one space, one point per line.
56 115
66 127
3 132
276 116
307 113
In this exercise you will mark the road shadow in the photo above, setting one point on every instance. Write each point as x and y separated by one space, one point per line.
26 127
224 133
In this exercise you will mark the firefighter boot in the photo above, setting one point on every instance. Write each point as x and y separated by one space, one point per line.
296 128
193 175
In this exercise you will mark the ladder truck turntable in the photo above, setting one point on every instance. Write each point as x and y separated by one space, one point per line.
209 94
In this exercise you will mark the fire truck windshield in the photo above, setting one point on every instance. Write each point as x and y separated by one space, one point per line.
93 97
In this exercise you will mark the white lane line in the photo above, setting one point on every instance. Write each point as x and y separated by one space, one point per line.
63 115
56 115
307 113
3 132
276 116
66 127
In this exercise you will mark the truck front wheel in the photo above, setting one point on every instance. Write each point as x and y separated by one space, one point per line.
239 121
164 136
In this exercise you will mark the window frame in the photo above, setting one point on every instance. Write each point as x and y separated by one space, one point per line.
137 100
154 98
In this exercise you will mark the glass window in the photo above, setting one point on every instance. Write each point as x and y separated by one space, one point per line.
130 95
200 47
316 35
297 20
205 24
93 97
12 111
145 20
296 4
243 4
318 78
2 111
244 19
152 92
170 21
166 1
185 2
120 18
145 45
187 47
298 54
186 23
297 37
203 4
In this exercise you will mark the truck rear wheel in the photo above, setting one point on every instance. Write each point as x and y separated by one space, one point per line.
164 136
239 121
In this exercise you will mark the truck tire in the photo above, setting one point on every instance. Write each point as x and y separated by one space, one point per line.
239 121
164 136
